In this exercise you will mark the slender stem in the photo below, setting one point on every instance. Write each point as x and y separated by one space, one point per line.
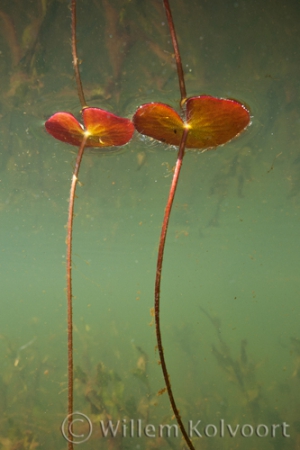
160 256
69 287
177 53
75 58
164 229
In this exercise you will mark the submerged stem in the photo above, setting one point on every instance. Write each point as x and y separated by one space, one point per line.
177 53
164 229
69 288
160 256
75 57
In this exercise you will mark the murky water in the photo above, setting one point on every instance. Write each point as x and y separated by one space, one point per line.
230 287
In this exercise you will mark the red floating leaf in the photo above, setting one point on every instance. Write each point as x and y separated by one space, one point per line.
160 122
103 128
212 121
106 129
65 127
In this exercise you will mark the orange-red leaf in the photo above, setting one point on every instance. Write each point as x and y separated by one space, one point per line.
106 129
211 121
160 122
214 121
103 128
65 127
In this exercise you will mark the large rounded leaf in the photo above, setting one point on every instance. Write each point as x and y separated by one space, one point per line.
214 121
211 121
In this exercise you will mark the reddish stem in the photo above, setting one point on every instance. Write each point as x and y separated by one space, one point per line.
69 288
75 58
177 53
70 231
160 256
165 227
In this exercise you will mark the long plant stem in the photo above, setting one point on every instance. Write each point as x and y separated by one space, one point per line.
75 57
176 52
165 227
69 288
160 256
70 232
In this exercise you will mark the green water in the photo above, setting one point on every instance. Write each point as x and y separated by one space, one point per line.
230 286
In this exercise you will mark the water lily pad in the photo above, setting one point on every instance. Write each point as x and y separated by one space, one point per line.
103 128
211 121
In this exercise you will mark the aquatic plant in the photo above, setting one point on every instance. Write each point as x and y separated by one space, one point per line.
204 122
101 129
47 172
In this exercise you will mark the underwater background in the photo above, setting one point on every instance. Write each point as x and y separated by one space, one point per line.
230 286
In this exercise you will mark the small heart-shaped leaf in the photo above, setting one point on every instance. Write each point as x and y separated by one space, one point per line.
160 122
65 127
211 121
106 129
103 128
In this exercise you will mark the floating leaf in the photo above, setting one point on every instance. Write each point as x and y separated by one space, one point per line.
65 127
160 122
103 128
211 121
214 121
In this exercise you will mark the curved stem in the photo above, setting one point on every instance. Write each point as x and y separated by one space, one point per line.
75 57
177 53
69 287
160 256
